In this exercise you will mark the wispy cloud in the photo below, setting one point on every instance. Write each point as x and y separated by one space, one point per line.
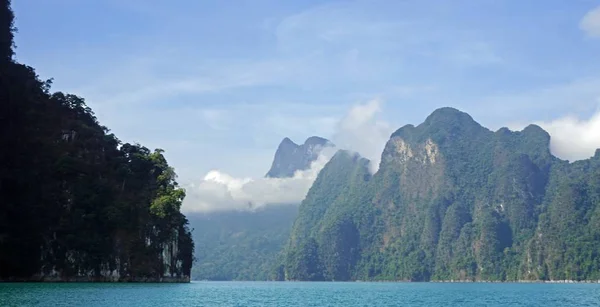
590 23
364 131
239 139
361 130
573 138
221 192
218 85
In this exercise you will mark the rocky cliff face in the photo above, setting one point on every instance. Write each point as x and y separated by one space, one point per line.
291 157
452 200
76 203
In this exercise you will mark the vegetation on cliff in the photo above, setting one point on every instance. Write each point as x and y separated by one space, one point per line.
75 201
452 200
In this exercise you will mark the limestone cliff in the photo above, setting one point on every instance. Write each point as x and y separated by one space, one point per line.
452 200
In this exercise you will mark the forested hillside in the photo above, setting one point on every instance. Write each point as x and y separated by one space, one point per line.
240 245
75 202
452 200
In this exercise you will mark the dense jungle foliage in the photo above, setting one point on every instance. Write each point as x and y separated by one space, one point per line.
452 200
75 202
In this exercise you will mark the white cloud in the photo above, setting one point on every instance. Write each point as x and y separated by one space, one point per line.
191 94
360 130
221 192
573 138
363 131
546 103
590 23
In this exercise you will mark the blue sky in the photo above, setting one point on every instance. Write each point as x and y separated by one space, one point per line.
218 84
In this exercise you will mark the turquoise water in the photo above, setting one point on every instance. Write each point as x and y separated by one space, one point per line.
299 294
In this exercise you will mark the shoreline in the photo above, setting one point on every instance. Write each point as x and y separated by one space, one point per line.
521 281
85 279
409 281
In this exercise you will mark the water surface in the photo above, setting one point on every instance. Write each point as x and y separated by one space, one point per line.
298 294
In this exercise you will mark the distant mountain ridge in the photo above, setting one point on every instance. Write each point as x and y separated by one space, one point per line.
240 245
244 245
291 157
452 200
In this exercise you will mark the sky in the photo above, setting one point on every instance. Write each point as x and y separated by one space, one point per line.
218 84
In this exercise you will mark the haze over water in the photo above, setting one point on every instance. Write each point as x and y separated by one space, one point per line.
299 294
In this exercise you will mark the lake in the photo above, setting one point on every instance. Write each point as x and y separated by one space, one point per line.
298 294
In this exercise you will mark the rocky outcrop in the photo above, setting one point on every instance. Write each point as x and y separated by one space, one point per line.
291 157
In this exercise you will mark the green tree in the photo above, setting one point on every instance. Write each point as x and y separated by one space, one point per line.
75 202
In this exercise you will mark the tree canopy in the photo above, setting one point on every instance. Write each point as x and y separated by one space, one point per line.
75 201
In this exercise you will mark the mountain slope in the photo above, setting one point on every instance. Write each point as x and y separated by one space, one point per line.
452 200
330 219
240 245
245 245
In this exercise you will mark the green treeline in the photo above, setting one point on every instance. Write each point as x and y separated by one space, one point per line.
240 245
451 201
74 201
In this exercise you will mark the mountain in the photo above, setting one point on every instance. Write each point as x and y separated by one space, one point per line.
452 200
76 204
245 245
240 245
291 157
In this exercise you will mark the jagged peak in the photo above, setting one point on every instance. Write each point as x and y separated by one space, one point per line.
449 115
287 140
504 131
348 154
440 124
533 133
530 130
291 157
287 143
536 130
311 141
403 131
345 153
316 140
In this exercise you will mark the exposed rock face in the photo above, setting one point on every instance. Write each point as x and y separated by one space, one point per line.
291 157
159 260
103 278
452 200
